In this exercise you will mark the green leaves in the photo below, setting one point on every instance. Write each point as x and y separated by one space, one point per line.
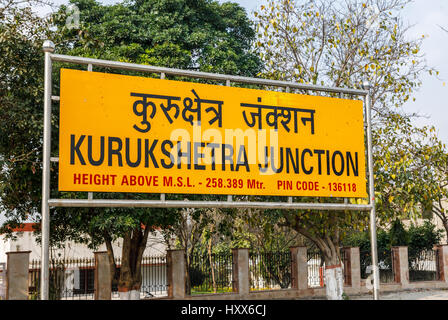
189 34
201 35
341 47
21 117
409 167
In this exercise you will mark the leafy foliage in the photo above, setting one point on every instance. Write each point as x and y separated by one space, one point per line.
407 163
189 34
21 112
336 43
422 238
196 34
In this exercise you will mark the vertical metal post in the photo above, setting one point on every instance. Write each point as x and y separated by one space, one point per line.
90 69
229 196
162 195
48 48
288 90
373 242
341 96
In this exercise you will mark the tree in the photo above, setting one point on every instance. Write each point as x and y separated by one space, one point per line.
434 197
21 97
435 200
195 34
180 34
338 44
411 166
422 238
190 34
188 231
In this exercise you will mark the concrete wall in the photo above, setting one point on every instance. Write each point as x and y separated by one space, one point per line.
17 275
103 282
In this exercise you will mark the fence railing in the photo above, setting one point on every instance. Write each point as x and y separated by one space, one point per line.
69 279
423 266
210 273
154 280
74 279
385 265
270 270
315 269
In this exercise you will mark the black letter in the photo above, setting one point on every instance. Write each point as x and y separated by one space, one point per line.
227 157
213 146
245 162
280 169
295 164
264 168
89 151
197 156
333 162
319 153
74 149
181 154
354 165
139 153
168 154
303 161
149 151
113 151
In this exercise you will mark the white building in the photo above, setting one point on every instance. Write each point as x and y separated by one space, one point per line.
26 241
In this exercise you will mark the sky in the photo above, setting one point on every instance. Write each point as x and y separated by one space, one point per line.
426 16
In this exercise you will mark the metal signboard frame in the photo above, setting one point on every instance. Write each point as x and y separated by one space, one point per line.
47 202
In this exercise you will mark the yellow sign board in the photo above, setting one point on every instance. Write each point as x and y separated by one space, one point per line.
133 134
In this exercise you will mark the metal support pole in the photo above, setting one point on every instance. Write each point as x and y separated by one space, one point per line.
288 90
48 48
90 69
162 195
229 196
373 242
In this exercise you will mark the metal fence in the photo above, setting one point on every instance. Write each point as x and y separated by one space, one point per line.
315 269
69 279
210 273
154 280
74 279
385 265
270 270
423 266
